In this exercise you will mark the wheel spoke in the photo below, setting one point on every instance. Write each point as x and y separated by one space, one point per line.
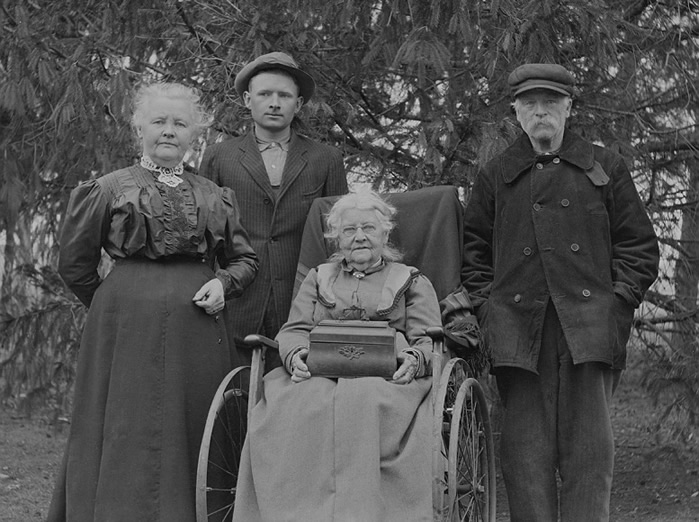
470 457
227 512
219 458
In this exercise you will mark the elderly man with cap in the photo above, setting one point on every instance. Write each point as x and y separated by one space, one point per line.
276 174
558 252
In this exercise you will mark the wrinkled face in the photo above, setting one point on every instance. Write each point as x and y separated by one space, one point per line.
167 130
542 114
361 237
273 99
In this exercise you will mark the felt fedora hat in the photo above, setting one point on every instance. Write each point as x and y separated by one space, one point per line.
280 61
541 76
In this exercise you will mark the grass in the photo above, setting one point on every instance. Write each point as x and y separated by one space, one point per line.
656 479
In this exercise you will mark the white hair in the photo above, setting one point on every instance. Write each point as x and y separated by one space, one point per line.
363 198
201 119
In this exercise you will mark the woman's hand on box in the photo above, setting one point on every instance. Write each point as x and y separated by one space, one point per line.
407 370
298 367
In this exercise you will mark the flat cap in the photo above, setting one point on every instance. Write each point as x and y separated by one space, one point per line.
275 60
541 76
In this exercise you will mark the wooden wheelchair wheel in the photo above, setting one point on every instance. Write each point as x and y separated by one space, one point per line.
471 459
454 373
222 443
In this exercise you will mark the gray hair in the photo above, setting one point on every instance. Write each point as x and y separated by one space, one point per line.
146 92
362 199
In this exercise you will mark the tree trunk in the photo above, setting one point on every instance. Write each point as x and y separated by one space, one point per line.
687 272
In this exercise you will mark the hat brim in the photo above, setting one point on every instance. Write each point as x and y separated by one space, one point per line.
307 85
542 84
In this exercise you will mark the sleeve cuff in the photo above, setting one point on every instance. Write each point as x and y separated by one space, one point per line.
289 357
420 361
227 282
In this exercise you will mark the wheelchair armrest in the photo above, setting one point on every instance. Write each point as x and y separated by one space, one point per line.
435 332
257 341
259 344
439 352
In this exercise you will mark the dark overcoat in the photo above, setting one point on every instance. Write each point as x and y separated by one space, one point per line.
274 221
569 228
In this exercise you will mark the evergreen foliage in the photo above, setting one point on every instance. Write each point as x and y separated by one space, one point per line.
413 91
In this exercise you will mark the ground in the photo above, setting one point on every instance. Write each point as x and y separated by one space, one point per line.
655 480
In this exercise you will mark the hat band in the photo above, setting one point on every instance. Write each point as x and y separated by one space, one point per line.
529 85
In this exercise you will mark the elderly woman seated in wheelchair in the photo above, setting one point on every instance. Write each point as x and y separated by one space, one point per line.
347 448
409 437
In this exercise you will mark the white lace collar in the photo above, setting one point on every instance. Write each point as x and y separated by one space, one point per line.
168 175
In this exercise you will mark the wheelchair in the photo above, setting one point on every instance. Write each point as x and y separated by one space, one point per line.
428 231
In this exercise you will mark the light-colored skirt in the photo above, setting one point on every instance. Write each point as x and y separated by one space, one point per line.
340 450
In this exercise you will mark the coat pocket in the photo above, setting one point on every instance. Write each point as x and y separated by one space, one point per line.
314 192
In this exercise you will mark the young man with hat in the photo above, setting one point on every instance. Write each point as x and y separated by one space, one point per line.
558 252
276 174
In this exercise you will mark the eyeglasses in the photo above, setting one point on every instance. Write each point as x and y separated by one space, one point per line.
350 231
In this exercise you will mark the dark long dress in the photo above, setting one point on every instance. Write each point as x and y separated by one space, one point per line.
150 360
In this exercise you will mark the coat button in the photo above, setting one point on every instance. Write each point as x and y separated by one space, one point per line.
575 247
537 207
517 298
565 202
586 293
267 201
539 166
556 160
272 239
527 251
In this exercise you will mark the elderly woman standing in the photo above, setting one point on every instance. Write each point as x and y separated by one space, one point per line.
153 349
347 449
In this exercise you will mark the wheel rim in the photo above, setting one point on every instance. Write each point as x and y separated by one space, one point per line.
453 375
222 443
471 464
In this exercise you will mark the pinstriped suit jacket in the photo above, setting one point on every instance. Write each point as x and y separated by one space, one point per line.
274 222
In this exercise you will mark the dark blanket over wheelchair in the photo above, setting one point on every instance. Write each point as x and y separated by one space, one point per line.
429 233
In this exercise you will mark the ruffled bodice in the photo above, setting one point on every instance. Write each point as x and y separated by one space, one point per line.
130 214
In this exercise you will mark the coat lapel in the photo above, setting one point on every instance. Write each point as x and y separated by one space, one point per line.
518 158
251 161
295 163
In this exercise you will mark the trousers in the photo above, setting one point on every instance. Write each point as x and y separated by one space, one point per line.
557 445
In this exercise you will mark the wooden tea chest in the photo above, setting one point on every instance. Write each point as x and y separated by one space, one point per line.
352 349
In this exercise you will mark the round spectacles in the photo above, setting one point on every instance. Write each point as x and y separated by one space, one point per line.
350 231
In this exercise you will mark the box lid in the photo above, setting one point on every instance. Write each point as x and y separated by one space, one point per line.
353 331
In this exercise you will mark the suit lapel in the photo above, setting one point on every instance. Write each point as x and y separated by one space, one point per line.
295 163
251 161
